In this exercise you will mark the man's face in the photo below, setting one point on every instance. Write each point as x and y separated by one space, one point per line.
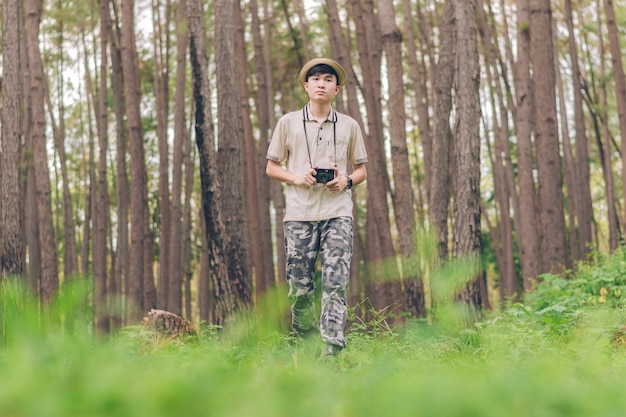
322 87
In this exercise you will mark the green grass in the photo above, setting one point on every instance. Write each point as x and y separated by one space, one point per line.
560 353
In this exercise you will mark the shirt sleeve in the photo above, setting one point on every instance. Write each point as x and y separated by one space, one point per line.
277 149
357 152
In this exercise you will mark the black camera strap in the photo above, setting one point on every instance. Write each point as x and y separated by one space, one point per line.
306 137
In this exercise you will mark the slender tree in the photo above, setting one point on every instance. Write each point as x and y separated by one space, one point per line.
11 244
169 292
231 161
605 145
49 282
419 87
176 237
31 226
583 192
379 244
138 197
551 218
442 135
466 225
216 268
620 81
120 280
100 250
403 201
264 104
524 124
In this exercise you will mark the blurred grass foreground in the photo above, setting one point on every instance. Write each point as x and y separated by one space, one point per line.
560 352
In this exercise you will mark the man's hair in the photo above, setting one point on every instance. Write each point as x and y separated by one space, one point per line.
322 69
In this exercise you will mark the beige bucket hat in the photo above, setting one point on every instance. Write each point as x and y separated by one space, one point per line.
341 73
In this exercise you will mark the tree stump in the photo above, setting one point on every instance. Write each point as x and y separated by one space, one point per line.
168 324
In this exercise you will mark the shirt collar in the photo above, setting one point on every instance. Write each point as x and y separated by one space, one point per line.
306 114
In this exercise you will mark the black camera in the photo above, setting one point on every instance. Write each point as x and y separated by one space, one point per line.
324 175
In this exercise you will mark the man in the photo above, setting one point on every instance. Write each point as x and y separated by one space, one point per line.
318 145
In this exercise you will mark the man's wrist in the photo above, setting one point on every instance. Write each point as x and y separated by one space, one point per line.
349 183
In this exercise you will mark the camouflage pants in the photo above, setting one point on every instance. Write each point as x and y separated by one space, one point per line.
332 239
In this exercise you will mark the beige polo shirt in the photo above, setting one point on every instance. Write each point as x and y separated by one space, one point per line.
289 145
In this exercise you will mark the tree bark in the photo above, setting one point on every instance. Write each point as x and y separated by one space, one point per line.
605 144
503 242
403 200
583 190
524 124
551 219
176 238
161 40
70 258
466 225
31 227
11 243
138 197
100 250
620 82
231 161
120 281
379 244
224 299
49 263
186 254
421 91
569 169
442 135
264 104
250 156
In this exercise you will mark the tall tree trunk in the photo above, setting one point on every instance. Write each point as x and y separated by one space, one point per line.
442 135
223 297
11 243
569 169
249 152
70 258
504 189
606 155
138 197
620 82
264 104
466 225
524 123
176 237
421 92
100 250
204 273
186 254
403 200
120 281
90 197
231 161
161 42
379 244
31 227
403 192
49 262
583 190
551 219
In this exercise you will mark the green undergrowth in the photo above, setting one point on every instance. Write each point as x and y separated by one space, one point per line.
559 352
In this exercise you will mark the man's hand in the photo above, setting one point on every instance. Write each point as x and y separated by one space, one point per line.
337 185
307 179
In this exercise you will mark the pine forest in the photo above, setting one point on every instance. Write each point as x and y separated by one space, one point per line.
134 139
